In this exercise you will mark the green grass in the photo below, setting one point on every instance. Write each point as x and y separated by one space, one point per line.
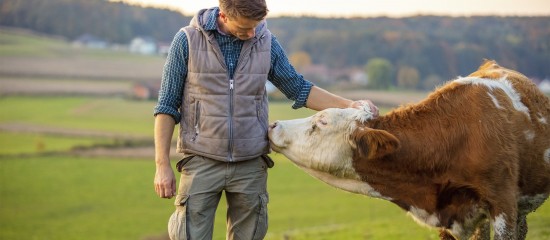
24 44
67 198
76 198
114 115
91 198
63 197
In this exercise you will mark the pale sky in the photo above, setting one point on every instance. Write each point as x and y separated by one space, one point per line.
369 8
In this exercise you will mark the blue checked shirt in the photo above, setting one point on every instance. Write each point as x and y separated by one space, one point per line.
281 74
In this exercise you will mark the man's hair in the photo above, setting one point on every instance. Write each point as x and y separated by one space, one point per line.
250 9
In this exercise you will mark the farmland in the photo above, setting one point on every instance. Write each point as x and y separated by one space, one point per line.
55 193
79 165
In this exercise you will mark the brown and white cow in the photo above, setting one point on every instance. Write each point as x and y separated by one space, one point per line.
474 153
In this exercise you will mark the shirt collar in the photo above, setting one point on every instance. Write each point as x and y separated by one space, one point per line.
212 20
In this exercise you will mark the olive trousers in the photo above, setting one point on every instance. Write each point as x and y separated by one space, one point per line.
201 184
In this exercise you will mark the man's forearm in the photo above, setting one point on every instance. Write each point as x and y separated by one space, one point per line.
320 99
164 128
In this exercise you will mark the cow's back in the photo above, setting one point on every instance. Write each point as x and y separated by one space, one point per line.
534 157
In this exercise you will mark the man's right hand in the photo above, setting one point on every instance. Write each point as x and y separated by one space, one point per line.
165 182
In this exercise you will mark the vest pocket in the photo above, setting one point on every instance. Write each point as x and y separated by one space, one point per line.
177 225
262 118
197 119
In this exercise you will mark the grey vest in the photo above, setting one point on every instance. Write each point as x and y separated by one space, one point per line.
225 119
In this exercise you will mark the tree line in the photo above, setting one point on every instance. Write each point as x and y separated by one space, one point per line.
417 50
114 22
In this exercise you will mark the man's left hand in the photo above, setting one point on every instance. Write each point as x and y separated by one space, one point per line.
364 105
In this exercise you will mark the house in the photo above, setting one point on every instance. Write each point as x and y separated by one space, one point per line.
90 41
146 90
143 45
544 85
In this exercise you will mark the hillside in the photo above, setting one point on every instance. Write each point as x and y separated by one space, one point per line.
24 53
438 48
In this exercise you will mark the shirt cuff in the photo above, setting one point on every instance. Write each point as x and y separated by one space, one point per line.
159 109
301 100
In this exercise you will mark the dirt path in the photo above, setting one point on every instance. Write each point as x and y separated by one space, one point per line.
58 131
22 86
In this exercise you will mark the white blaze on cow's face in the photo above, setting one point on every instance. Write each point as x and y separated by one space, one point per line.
320 142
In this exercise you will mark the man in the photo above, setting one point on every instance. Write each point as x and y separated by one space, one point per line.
214 86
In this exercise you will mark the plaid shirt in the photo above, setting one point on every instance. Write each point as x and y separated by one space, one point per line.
281 74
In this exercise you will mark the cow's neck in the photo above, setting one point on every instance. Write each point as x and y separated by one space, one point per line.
409 176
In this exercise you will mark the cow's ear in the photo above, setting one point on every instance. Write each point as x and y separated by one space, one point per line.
373 143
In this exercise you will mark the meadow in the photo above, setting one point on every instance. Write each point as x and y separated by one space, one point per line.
50 189
52 194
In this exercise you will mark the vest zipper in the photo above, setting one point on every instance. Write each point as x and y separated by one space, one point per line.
231 89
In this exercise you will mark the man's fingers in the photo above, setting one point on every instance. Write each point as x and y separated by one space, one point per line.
168 193
363 104
165 191
165 182
373 108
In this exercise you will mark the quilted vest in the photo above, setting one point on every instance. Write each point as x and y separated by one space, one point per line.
222 118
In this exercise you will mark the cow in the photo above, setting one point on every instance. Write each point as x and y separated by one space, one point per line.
474 154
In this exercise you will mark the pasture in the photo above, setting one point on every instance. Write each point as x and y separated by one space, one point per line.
61 179
53 193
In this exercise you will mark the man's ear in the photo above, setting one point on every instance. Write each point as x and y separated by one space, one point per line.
373 143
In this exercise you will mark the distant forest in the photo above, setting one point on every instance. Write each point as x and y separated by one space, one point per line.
429 46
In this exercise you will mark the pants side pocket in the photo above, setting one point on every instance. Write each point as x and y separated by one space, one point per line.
177 225
261 223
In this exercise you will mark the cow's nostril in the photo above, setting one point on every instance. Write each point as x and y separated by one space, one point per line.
273 125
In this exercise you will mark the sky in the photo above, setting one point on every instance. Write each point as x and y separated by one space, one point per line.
370 8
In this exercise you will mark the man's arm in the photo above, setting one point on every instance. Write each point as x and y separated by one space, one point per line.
165 181
295 87
167 114
320 99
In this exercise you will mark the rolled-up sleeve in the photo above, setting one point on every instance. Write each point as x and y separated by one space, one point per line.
173 78
283 75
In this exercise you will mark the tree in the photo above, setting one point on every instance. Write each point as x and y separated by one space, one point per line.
408 77
300 60
380 73
431 82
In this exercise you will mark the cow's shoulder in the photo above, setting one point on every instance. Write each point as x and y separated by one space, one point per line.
490 69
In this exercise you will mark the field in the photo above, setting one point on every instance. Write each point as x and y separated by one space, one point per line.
53 193
79 165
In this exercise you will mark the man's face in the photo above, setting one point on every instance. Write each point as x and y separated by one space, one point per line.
240 27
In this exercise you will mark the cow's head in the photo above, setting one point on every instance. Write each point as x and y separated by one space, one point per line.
329 141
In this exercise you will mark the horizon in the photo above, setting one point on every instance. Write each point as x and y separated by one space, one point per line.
358 8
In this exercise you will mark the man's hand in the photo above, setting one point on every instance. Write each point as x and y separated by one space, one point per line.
165 182
365 105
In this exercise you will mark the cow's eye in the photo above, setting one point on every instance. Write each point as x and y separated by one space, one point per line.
314 127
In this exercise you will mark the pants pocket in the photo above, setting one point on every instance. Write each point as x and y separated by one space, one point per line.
181 163
261 223
177 225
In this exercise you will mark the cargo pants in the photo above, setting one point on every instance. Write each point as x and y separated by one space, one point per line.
201 185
